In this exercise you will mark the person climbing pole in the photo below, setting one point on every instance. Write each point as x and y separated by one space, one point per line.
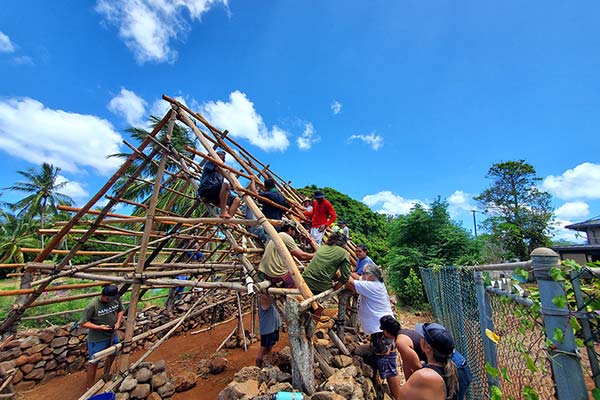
215 189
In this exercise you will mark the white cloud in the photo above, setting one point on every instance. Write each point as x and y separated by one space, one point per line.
574 209
242 121
388 203
149 26
308 137
23 60
583 181
373 140
459 202
72 189
6 46
130 106
336 107
68 140
562 233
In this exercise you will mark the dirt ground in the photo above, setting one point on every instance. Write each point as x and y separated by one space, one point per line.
184 353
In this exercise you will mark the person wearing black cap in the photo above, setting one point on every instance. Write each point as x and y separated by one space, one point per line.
408 343
321 216
103 317
438 379
215 189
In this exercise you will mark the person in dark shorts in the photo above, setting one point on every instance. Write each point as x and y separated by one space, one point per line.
216 190
269 323
103 317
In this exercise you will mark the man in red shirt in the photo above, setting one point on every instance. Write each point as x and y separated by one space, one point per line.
321 216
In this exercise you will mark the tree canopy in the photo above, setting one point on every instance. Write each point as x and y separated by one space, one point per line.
425 237
519 214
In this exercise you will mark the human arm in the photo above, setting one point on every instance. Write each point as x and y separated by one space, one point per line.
410 358
302 255
350 284
331 215
345 268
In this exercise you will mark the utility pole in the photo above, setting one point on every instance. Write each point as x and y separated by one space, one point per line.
474 223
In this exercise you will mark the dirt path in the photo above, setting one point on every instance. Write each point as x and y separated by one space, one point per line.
183 353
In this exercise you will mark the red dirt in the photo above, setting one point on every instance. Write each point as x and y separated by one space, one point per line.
183 353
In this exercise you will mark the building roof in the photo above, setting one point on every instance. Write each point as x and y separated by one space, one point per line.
583 226
578 248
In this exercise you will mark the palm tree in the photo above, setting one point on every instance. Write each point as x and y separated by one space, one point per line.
43 196
15 233
180 138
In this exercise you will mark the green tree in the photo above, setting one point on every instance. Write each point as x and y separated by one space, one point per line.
15 233
425 237
43 194
519 214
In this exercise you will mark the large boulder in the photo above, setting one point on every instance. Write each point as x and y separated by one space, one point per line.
184 381
143 375
141 391
239 390
217 365
246 374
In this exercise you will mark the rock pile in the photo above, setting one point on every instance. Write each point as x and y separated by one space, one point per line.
40 355
150 381
348 378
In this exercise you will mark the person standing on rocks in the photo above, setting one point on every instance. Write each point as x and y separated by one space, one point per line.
103 317
374 303
269 323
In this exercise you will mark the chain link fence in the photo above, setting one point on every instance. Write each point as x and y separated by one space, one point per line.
521 356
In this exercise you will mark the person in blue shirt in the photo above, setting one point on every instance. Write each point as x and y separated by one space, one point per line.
269 210
362 258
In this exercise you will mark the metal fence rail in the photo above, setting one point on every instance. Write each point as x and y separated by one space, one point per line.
535 350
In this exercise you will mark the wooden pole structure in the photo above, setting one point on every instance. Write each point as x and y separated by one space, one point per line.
135 292
269 229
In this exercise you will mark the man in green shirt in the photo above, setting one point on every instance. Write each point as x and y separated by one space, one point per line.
331 261
103 317
272 267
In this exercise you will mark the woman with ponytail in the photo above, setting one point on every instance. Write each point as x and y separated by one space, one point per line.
438 379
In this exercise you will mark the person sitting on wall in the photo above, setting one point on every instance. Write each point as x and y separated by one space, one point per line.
215 189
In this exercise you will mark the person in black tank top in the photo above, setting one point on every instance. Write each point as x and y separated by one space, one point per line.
434 344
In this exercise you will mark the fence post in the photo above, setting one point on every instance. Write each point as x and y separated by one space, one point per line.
486 321
566 368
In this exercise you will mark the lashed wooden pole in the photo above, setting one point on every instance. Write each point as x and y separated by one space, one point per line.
135 291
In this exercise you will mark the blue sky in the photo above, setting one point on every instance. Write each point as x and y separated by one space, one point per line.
391 102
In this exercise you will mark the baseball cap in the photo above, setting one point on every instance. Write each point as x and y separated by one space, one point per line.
110 291
318 194
437 336
220 151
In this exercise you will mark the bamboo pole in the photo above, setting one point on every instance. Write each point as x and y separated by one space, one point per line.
52 288
135 292
269 229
